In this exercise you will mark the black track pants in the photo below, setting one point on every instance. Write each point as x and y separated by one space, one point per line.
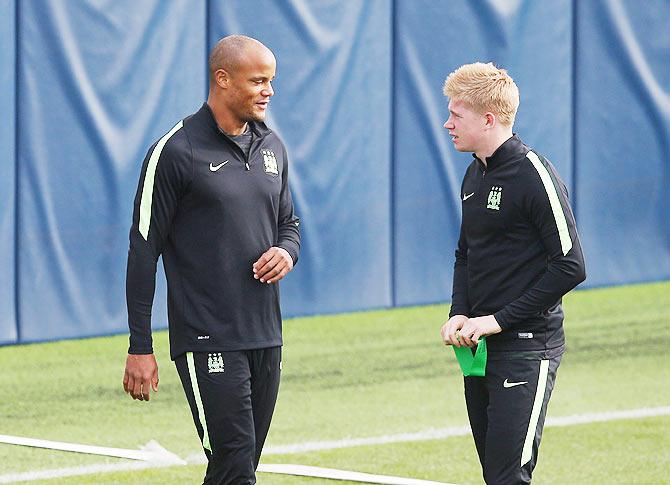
232 397
506 409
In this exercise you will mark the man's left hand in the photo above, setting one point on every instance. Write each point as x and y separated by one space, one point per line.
478 327
273 265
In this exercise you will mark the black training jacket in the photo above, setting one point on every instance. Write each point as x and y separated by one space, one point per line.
518 251
210 212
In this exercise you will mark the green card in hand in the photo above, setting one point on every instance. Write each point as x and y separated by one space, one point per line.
472 365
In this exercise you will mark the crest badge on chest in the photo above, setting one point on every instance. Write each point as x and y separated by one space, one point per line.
494 198
269 161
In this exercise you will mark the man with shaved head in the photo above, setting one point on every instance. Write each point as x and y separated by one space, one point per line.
213 199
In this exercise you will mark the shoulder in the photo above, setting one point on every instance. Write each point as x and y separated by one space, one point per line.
174 144
540 179
536 167
170 153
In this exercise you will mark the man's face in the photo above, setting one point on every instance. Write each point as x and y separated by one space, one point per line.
465 126
250 85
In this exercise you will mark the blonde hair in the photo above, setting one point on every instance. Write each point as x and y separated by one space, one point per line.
484 87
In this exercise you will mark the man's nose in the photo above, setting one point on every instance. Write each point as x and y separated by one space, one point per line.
268 91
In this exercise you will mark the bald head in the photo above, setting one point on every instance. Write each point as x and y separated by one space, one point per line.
241 71
232 51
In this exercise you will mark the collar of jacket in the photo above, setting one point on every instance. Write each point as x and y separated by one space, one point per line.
511 150
259 128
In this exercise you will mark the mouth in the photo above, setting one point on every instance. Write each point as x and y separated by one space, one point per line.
262 104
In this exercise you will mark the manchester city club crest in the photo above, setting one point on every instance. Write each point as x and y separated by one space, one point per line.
269 161
494 198
215 362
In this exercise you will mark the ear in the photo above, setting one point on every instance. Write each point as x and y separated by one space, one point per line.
222 78
490 120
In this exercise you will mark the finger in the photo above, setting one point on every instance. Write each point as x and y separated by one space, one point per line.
466 334
455 335
265 257
146 386
444 334
270 269
137 389
154 381
452 336
125 382
263 266
478 335
271 273
280 274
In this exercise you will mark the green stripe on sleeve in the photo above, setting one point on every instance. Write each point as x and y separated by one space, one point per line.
148 187
559 216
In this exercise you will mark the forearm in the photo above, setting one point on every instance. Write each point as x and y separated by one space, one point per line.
288 237
140 286
561 277
459 294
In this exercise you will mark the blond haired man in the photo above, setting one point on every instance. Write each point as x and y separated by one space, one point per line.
518 254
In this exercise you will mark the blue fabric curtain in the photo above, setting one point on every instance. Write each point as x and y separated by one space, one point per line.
87 86
623 139
432 39
332 108
98 84
8 327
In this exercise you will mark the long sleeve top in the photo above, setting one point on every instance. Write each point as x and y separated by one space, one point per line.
518 251
210 211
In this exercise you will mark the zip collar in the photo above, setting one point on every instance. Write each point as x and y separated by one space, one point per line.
513 149
258 128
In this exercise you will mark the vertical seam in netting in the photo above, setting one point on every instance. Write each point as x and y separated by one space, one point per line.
392 168
16 172
573 114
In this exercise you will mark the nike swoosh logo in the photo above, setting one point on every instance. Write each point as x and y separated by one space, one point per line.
466 197
215 168
512 384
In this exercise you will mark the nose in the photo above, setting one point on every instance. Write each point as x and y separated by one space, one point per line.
448 124
268 91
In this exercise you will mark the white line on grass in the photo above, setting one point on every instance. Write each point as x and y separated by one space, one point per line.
152 451
296 470
79 470
333 474
434 434
429 434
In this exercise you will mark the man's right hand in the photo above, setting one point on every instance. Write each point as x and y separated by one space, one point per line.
141 374
450 329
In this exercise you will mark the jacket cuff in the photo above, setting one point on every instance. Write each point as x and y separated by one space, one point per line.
140 347
291 251
146 351
502 320
458 310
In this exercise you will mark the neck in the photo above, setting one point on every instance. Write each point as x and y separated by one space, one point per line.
224 118
493 144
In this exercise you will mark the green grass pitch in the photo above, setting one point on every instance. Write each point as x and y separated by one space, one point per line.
362 375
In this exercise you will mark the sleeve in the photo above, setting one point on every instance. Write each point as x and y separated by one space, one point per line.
548 208
163 177
459 294
288 234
